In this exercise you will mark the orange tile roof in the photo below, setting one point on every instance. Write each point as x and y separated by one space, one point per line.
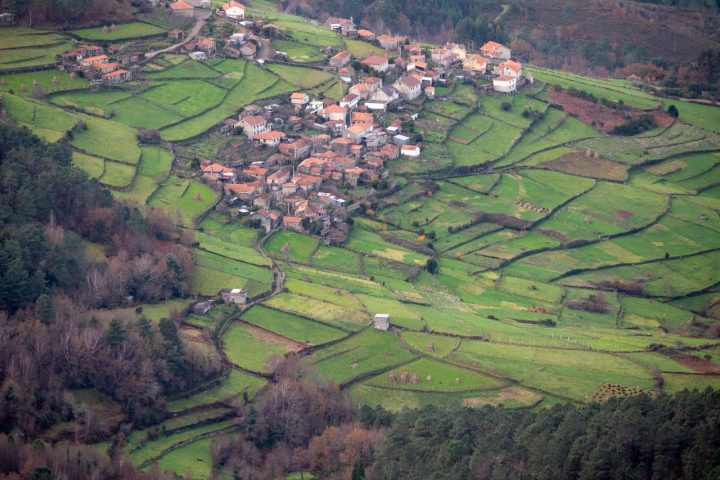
181 5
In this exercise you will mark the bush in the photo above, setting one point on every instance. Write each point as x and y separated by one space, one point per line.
506 106
673 111
635 126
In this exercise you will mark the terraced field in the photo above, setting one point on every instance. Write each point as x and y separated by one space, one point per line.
567 259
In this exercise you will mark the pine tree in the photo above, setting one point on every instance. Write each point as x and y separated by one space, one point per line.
115 334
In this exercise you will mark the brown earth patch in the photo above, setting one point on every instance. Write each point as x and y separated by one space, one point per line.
601 117
268 336
461 140
525 397
622 214
577 163
553 234
696 363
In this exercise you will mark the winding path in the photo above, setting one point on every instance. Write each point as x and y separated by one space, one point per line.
194 32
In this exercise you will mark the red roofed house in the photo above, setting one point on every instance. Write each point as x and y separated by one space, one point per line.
176 35
216 171
255 171
366 35
334 112
509 68
341 59
378 63
299 99
268 218
494 51
358 131
245 191
90 61
253 125
234 10
307 182
388 42
105 67
475 63
278 178
312 166
182 8
353 175
118 76
441 56
296 150
362 117
271 139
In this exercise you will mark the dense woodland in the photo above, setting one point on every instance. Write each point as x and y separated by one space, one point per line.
65 11
50 338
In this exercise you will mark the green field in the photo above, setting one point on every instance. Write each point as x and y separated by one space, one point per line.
27 47
183 199
123 31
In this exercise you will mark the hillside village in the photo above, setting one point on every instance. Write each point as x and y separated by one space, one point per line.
321 146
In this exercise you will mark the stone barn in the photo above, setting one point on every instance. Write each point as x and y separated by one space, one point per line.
382 321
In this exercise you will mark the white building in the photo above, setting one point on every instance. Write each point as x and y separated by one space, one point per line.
381 321
505 84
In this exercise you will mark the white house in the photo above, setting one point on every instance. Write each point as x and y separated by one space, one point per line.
254 125
505 84
409 86
385 94
350 101
410 150
441 56
234 10
509 68
199 56
299 99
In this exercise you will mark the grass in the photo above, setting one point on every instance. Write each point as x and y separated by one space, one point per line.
368 352
566 374
291 326
27 47
256 83
247 347
123 31
153 169
435 376
93 166
189 69
107 139
370 243
230 391
194 459
49 81
297 52
360 49
330 314
299 247
302 77
183 199
117 175
44 120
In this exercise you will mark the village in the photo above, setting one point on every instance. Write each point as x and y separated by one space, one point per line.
315 151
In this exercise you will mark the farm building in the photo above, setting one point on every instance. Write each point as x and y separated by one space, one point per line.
410 150
381 321
475 64
509 69
234 10
238 296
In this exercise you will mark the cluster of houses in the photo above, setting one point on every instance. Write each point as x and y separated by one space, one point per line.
299 184
93 63
424 68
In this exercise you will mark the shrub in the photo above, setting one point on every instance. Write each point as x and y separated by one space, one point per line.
506 106
673 111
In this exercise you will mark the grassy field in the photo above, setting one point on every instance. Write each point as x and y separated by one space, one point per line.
298 52
302 77
107 139
48 81
291 326
28 47
252 348
123 31
183 199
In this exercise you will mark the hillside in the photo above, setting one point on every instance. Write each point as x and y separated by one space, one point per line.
232 258
577 35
